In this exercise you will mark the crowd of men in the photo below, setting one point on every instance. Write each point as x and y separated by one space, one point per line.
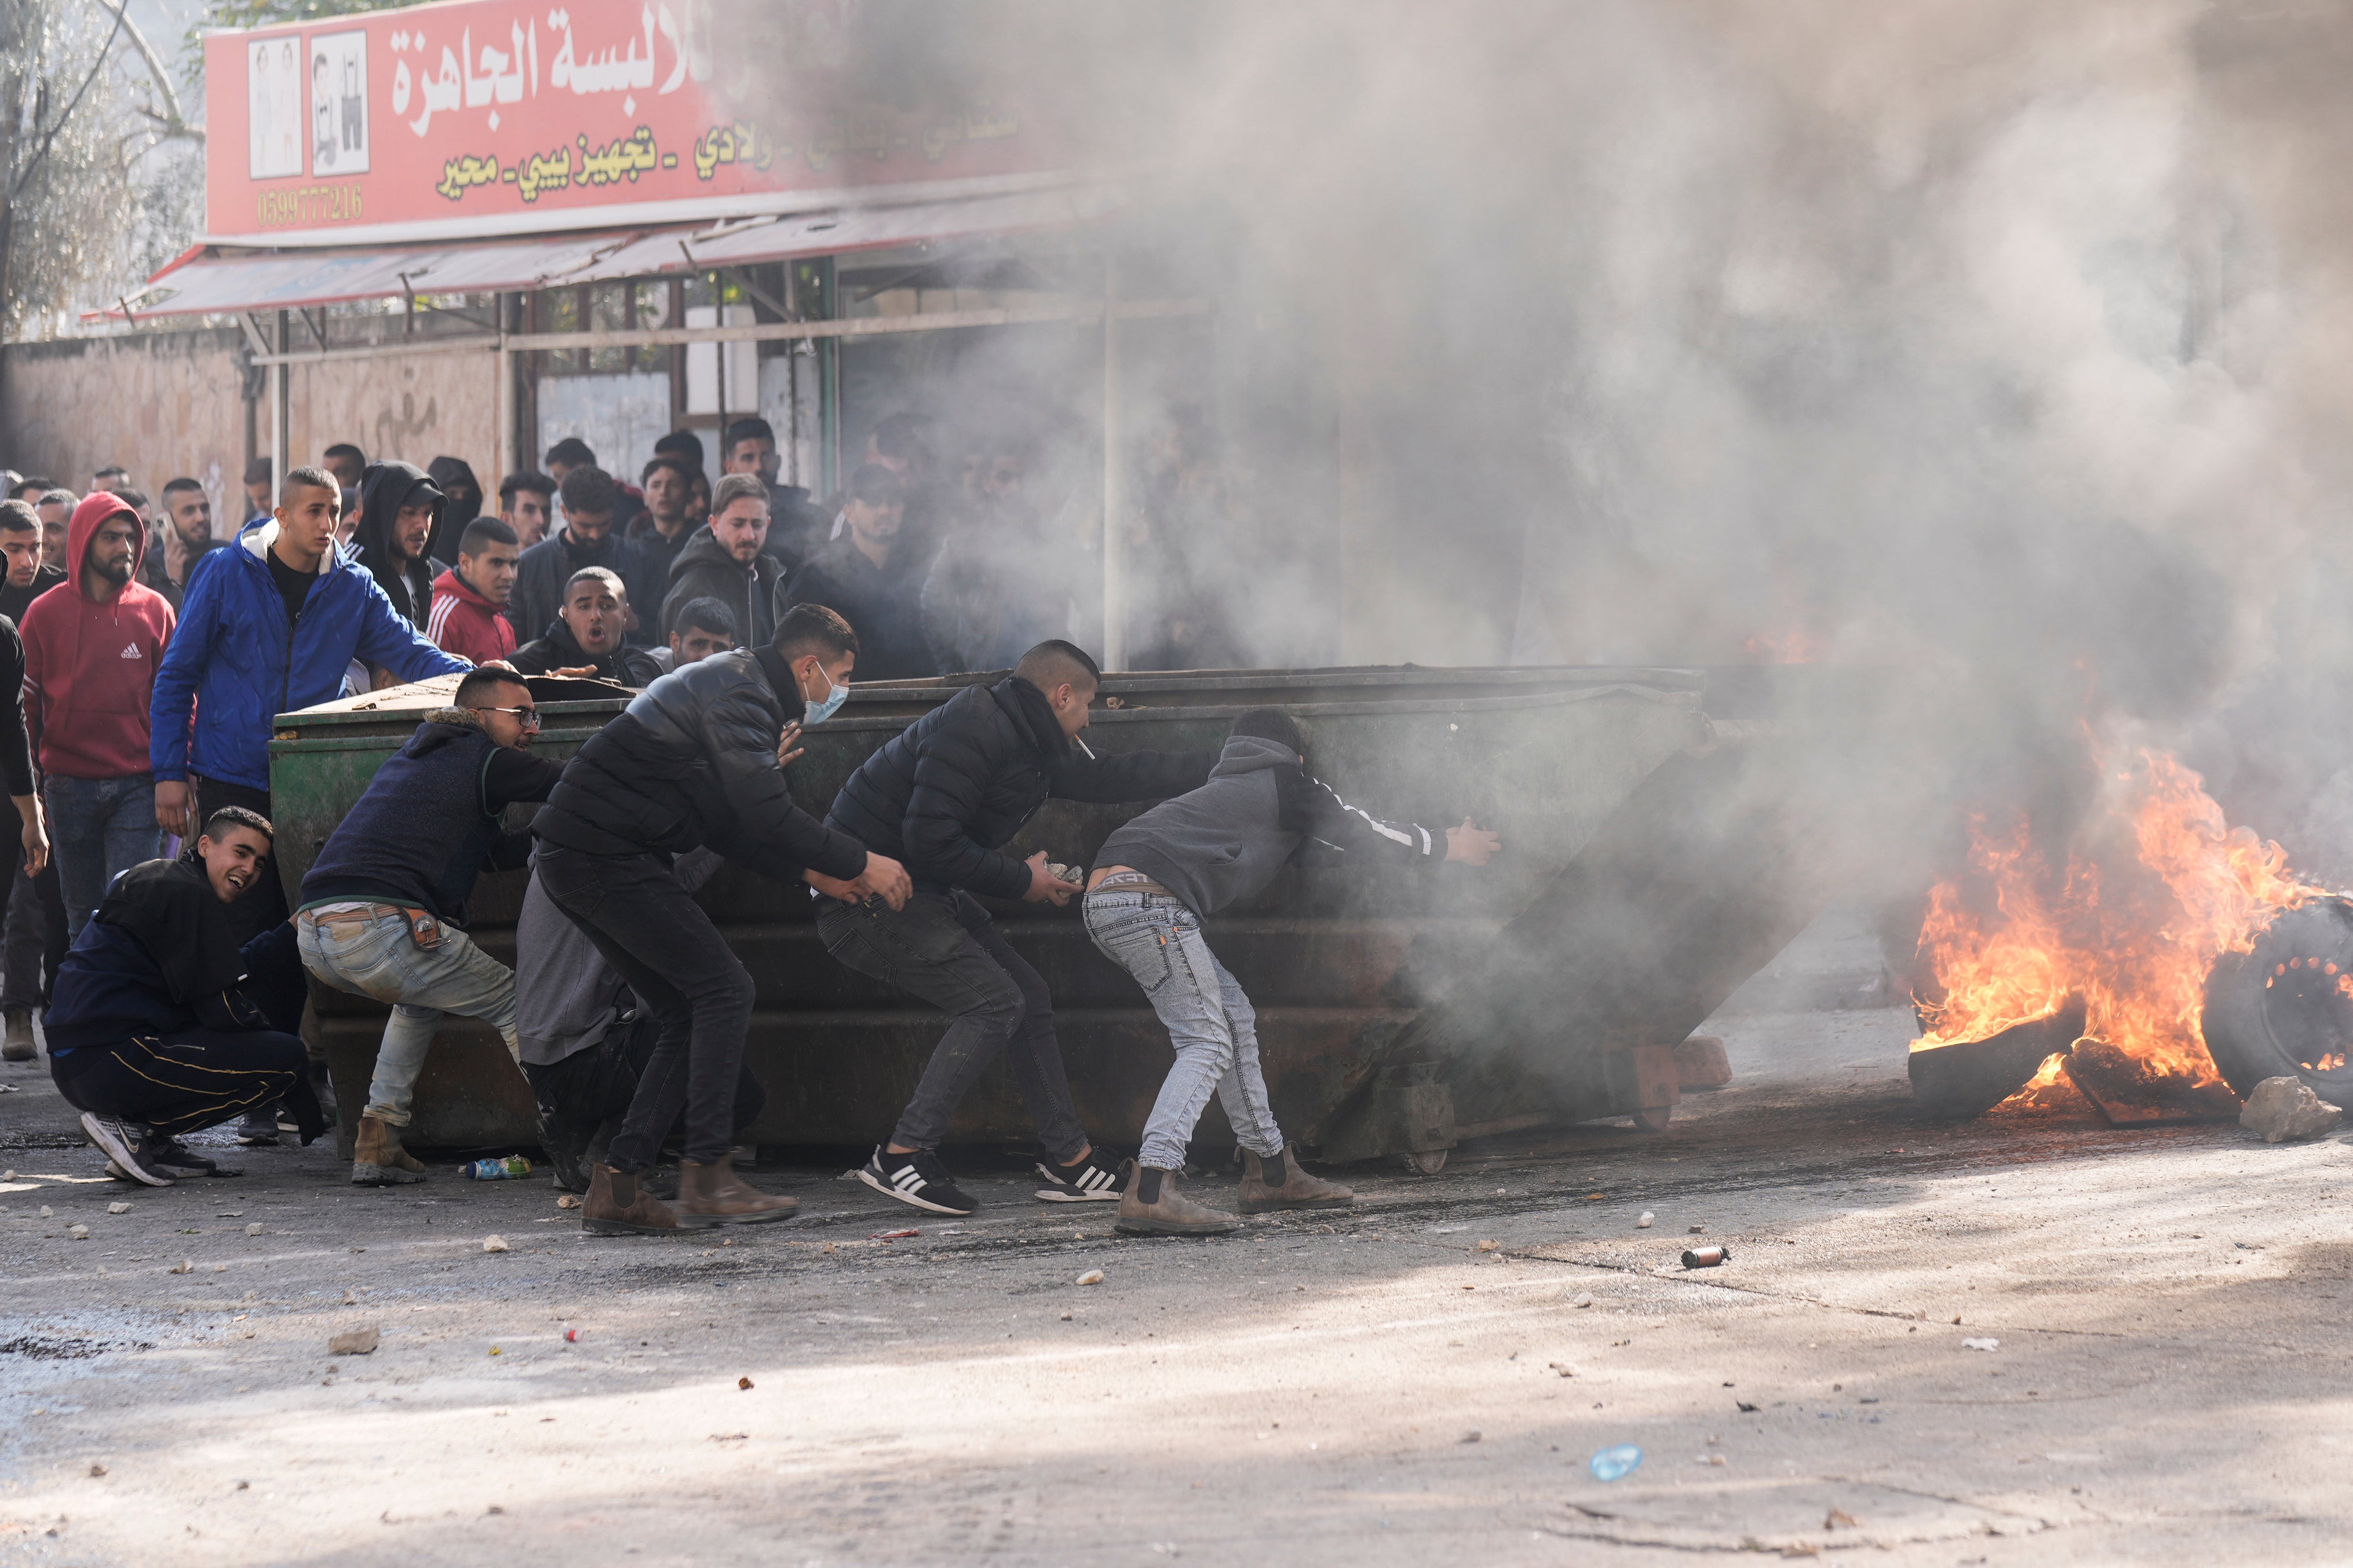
148 924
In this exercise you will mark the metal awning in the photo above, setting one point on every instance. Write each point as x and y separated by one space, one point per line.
216 281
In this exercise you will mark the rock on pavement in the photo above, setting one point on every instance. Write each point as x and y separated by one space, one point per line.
2283 1109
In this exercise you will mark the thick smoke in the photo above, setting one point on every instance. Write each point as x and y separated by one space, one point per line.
1992 347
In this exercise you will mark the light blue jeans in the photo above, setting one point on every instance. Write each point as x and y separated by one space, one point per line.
372 953
1158 939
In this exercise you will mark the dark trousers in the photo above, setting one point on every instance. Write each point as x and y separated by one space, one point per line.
34 939
945 950
676 962
589 1088
185 1082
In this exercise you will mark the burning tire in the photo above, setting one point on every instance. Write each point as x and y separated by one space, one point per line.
2286 1008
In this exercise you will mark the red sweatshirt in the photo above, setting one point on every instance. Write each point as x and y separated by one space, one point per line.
465 624
90 666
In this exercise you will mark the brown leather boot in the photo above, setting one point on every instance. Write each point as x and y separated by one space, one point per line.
1153 1206
1278 1182
377 1158
617 1205
713 1194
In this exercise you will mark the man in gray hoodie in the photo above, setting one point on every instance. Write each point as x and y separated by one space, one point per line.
1157 878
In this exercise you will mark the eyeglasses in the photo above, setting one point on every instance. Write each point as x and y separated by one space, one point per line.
529 717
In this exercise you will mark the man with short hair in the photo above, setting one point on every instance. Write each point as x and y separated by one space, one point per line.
566 454
31 488
944 796
584 638
469 598
703 627
259 477
171 1018
384 906
723 561
695 761
865 575
660 531
188 537
585 538
796 525
91 650
271 627
35 941
54 509
525 500
346 462
113 478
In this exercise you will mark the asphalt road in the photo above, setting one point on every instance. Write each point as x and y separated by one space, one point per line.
2168 1380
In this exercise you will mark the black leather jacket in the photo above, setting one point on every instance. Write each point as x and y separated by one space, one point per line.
944 795
693 760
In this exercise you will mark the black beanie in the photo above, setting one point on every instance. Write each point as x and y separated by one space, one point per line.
1272 724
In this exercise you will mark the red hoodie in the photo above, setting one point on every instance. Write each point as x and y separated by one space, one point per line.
465 624
89 668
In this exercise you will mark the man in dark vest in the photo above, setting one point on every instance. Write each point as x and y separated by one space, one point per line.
383 907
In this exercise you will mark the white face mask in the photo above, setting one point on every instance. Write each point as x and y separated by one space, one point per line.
819 711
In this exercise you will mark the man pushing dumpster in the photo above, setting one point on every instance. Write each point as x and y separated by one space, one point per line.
1157 876
694 761
944 795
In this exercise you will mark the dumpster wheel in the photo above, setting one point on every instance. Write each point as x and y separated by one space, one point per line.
1423 1162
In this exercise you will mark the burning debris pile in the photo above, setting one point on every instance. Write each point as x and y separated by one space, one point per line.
2098 969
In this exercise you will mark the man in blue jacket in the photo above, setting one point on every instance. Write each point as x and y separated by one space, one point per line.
267 626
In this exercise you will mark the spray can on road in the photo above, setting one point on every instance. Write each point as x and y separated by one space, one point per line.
506 1169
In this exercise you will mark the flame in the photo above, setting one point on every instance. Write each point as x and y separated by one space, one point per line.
2157 888
1791 645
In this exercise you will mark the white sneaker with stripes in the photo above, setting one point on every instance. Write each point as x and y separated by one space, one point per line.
1088 1182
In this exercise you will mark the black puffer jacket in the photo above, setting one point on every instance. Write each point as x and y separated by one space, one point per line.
943 795
556 648
693 760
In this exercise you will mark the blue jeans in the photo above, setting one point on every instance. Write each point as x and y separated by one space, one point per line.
371 952
1159 939
98 828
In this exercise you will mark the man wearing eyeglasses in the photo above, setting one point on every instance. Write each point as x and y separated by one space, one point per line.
383 907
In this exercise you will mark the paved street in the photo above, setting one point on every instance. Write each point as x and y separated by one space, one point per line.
1421 1381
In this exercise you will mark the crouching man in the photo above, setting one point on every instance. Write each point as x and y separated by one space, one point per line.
1157 878
161 1026
383 907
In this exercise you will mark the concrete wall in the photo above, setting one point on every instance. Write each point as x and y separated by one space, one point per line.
161 404
413 407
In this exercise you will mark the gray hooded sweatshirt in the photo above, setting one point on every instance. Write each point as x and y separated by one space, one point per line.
1226 840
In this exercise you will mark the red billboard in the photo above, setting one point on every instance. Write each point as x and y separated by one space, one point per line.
495 117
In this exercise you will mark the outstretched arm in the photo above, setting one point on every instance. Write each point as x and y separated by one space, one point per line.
1329 825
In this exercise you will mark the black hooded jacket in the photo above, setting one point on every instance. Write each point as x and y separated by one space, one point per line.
946 793
693 760
556 648
461 504
385 489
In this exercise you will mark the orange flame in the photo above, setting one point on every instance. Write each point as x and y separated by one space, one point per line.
2158 888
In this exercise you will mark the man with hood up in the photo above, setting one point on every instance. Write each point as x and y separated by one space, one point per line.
461 503
399 511
92 645
1157 878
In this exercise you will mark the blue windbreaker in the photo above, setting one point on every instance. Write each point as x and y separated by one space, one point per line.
230 659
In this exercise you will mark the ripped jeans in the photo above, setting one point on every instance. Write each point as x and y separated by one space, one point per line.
1157 939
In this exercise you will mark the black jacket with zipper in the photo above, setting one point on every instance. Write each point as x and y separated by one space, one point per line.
944 795
693 760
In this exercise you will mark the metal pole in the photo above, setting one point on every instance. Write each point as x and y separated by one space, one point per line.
278 417
1114 499
792 380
